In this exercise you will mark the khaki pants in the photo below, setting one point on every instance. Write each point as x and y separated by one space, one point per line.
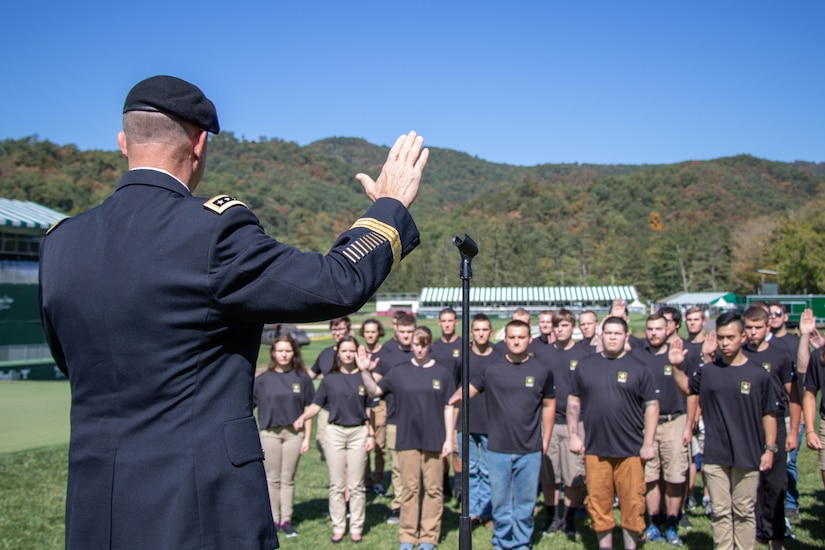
397 487
378 420
421 472
321 426
282 449
346 457
733 493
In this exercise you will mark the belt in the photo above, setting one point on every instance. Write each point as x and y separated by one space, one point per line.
669 417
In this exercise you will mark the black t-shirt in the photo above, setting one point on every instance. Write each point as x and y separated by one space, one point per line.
613 393
540 345
420 397
791 341
448 355
815 377
776 360
389 356
671 400
733 401
345 397
693 358
281 397
515 394
323 363
478 404
563 363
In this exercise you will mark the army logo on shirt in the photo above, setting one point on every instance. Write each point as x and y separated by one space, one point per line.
296 388
361 390
622 377
745 388
456 352
529 381
436 384
766 366
668 370
573 364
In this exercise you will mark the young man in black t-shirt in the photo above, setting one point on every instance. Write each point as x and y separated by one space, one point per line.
447 351
588 323
814 382
780 332
666 474
622 411
481 356
372 331
777 361
397 351
559 465
738 403
520 413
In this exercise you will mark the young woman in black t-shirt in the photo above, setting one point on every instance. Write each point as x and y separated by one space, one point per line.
282 393
347 439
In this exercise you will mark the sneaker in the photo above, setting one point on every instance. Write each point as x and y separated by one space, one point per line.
378 489
551 527
652 533
690 503
395 518
685 523
792 514
672 537
288 530
708 506
789 534
615 501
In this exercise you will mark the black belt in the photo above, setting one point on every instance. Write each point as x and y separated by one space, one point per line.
669 417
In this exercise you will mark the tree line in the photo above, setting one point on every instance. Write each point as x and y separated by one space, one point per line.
690 226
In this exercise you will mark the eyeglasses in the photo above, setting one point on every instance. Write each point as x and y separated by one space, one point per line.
778 313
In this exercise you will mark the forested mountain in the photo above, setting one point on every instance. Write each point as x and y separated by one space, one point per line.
697 225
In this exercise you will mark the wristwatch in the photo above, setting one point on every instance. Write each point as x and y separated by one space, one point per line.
772 448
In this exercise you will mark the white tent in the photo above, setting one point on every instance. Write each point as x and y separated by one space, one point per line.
636 305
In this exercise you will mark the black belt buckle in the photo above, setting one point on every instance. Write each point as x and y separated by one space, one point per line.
668 417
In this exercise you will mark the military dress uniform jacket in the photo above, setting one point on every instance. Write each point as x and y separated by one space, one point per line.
153 305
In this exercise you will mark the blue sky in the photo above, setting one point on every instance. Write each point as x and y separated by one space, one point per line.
514 82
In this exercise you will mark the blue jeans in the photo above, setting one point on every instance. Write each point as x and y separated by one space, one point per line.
478 476
792 495
513 481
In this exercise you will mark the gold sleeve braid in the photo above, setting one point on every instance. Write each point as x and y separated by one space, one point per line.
379 233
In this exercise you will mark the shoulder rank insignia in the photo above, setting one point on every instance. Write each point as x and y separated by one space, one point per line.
55 224
222 203
378 233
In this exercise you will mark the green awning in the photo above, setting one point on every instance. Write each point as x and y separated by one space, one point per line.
15 213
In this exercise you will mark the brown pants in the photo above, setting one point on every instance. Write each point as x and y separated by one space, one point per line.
624 477
282 449
421 513
346 455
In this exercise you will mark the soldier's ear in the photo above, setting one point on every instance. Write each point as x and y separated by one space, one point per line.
121 142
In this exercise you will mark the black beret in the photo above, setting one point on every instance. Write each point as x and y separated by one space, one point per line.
176 97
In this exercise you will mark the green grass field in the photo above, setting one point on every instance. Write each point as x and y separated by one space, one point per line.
33 471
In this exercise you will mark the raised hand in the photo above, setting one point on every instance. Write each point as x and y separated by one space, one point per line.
401 174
